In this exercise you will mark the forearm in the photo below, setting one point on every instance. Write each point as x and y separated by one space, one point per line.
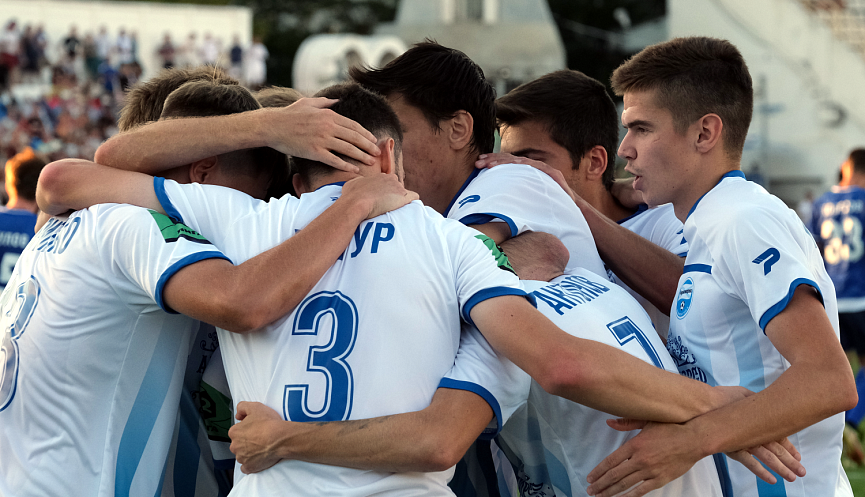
648 269
163 145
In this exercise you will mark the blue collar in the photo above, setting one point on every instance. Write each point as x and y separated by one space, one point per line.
471 177
338 183
730 174
641 209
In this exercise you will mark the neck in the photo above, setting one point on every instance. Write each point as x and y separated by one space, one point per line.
855 180
601 199
22 204
440 190
692 193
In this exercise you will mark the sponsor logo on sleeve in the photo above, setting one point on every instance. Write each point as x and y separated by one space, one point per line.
768 259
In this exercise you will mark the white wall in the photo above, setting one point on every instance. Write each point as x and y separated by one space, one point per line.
150 20
805 70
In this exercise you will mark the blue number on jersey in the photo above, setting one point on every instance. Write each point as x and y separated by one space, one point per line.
328 360
17 308
625 330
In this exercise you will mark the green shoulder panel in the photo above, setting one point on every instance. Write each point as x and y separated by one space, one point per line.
501 258
172 230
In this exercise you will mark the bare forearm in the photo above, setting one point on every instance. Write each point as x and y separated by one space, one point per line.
163 145
650 270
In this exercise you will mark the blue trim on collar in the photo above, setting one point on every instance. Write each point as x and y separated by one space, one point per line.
641 209
468 180
162 196
729 174
338 183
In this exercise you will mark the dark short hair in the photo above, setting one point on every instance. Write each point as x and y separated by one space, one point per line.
144 102
362 106
576 110
25 175
857 157
692 77
439 81
277 96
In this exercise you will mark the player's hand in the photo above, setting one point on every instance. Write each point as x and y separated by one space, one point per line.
378 193
659 454
623 190
252 439
781 457
492 160
308 129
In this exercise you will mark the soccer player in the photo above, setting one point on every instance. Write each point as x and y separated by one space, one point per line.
568 121
754 306
274 364
836 223
18 217
84 322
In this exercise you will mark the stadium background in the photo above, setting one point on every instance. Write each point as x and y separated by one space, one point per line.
807 58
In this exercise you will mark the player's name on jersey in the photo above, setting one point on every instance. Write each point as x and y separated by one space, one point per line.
845 206
569 293
14 239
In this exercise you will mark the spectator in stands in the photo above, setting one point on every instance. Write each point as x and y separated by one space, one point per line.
103 45
188 56
235 55
255 65
123 48
91 56
210 50
166 52
71 44
10 53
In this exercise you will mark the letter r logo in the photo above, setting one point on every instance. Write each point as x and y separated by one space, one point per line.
768 259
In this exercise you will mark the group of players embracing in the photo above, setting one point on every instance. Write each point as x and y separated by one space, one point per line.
400 311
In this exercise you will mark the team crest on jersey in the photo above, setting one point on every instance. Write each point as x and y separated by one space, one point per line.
683 301
173 230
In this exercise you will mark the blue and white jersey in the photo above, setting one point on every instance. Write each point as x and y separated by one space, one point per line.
16 230
92 365
748 254
660 226
527 200
554 443
374 337
837 220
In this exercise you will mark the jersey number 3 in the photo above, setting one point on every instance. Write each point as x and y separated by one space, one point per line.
16 309
317 313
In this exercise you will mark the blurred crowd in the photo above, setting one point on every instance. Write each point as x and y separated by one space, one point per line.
61 97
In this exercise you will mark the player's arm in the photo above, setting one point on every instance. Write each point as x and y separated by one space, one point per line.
650 270
306 128
818 384
433 439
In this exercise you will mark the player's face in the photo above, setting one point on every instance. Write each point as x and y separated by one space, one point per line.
422 148
532 140
658 156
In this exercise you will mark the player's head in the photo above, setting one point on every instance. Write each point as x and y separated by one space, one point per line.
565 119
535 255
853 166
688 101
445 104
144 102
247 170
22 174
277 96
370 111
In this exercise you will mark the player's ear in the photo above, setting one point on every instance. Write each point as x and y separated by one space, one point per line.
709 128
595 163
459 130
387 160
202 170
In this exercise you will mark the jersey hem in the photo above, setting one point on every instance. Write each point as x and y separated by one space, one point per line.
486 217
484 394
782 304
177 266
489 293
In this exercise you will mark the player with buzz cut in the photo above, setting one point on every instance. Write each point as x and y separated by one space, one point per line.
89 318
285 364
568 121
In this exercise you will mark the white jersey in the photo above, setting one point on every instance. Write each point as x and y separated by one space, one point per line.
374 337
554 443
527 200
660 226
748 253
92 365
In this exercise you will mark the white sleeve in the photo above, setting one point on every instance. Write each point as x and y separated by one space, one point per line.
666 230
144 249
479 369
757 258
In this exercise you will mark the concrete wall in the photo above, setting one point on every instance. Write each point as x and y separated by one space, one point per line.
150 20
809 106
